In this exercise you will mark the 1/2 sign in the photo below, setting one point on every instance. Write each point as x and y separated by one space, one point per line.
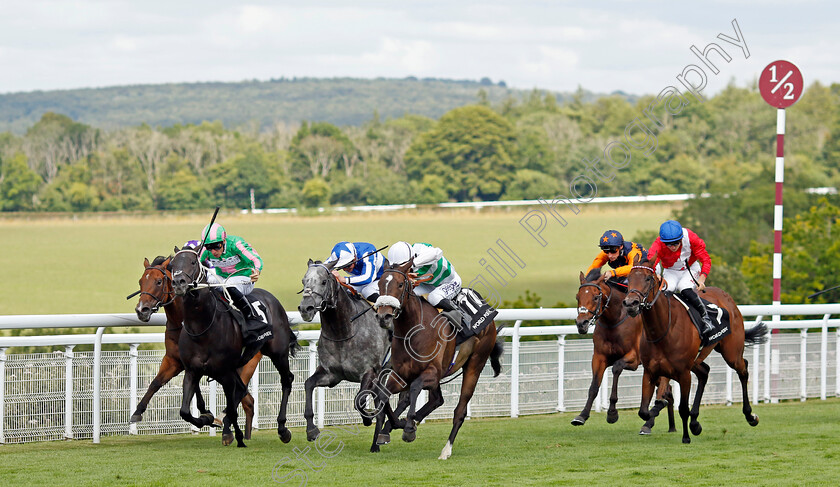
780 84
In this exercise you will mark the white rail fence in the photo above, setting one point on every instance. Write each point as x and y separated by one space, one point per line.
81 395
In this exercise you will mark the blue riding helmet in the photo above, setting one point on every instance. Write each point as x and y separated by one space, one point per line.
610 239
343 253
670 232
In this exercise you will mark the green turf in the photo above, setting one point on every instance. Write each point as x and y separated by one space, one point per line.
89 265
795 444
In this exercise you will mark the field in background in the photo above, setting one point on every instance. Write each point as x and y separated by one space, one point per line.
795 444
88 265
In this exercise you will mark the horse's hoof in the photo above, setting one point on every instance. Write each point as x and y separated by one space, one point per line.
753 421
686 440
409 436
207 419
136 418
612 417
383 439
285 435
217 423
374 448
645 431
241 444
313 434
579 421
695 428
227 439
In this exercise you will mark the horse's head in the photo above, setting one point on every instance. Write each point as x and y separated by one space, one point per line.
155 288
642 284
319 290
185 270
591 300
394 289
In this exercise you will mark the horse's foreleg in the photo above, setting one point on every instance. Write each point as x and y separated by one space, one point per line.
685 389
599 364
245 373
647 393
435 401
701 370
190 382
658 405
365 385
318 379
427 379
169 368
617 368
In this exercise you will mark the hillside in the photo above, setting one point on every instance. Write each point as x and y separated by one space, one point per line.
341 101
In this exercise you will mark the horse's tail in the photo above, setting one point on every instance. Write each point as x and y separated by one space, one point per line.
496 357
756 335
294 346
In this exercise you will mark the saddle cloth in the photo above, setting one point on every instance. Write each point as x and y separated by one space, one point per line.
718 315
256 331
476 314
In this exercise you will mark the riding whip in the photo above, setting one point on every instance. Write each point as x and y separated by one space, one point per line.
823 291
212 221
688 268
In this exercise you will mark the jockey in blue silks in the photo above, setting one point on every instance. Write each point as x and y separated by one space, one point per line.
363 264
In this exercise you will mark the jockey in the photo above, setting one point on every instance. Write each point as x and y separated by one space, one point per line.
683 257
444 284
362 262
618 254
234 263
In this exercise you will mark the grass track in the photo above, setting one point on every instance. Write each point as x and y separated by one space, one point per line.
795 444
89 265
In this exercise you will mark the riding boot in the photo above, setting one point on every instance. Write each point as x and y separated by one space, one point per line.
693 299
373 297
242 304
452 313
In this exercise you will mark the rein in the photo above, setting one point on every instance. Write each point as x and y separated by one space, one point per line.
599 308
197 284
333 291
159 299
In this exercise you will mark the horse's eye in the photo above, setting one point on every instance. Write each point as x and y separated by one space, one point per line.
324 282
158 282
400 286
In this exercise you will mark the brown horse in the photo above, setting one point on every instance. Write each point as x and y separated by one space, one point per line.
422 349
671 344
156 291
616 343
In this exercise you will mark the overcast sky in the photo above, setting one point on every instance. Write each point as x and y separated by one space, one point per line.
635 46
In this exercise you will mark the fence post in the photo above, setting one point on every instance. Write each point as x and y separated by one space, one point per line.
803 365
132 384
213 393
728 386
2 393
754 374
767 367
255 393
514 372
561 372
68 391
824 358
97 387
319 402
837 362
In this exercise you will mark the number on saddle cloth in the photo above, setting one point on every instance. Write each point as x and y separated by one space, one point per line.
476 312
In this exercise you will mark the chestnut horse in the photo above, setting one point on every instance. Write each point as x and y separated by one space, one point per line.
422 351
212 343
671 344
616 343
156 291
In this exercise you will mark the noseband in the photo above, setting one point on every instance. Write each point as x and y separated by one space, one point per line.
159 299
599 309
193 279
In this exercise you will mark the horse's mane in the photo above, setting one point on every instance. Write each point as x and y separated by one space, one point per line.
593 275
159 260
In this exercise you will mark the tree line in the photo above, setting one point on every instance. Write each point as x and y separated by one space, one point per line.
523 147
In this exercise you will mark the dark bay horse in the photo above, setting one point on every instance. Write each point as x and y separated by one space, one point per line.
156 291
616 343
352 346
211 343
671 344
422 351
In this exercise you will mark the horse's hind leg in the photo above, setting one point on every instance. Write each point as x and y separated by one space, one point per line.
472 370
365 385
599 364
286 378
206 414
742 368
685 388
190 382
701 370
245 373
235 390
658 405
169 368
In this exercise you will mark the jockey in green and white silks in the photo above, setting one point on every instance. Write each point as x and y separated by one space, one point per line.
233 263
426 259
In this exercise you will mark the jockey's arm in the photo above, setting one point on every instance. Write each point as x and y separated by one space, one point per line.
427 255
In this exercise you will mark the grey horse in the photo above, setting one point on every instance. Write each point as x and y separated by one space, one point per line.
352 346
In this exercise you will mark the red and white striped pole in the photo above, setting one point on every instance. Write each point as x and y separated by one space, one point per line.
778 212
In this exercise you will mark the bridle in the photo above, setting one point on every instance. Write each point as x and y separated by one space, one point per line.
308 292
406 289
194 283
651 282
600 306
167 282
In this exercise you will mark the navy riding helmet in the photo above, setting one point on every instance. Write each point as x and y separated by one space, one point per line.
611 239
